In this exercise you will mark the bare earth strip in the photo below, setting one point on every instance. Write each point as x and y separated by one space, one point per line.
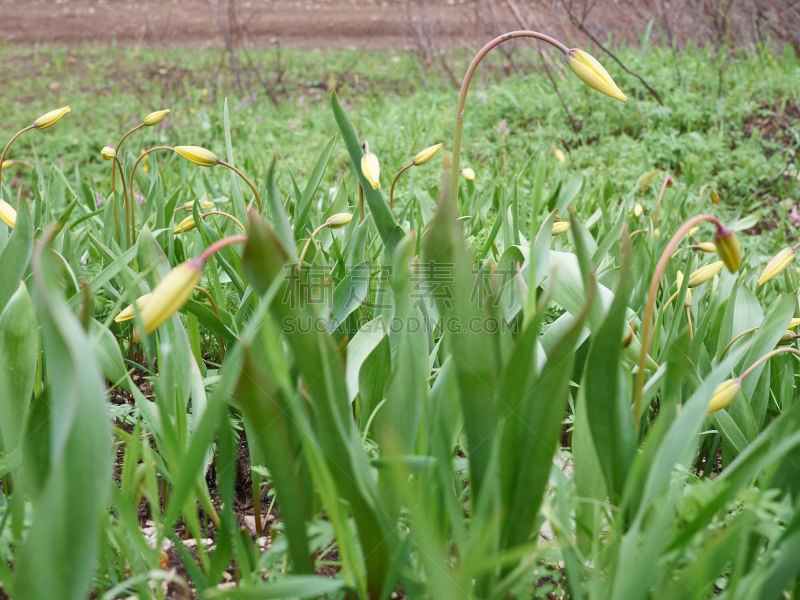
323 24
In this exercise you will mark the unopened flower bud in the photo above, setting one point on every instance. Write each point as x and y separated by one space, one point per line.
468 174
427 154
723 395
560 227
703 274
371 169
707 247
339 220
186 225
49 119
728 248
154 118
637 210
585 66
108 153
777 264
197 155
7 214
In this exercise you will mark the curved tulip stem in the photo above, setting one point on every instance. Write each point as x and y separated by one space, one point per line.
222 213
247 181
124 194
652 293
11 141
219 245
391 192
308 242
462 97
131 221
667 180
114 179
765 358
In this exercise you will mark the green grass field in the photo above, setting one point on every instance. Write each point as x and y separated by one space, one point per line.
453 397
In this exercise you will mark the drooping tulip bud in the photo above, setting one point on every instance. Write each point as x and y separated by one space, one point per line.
170 294
427 154
186 225
204 205
703 274
793 323
585 66
707 247
468 174
723 395
108 153
128 313
777 264
371 169
7 214
49 119
197 155
728 248
787 338
560 227
637 210
338 220
154 118
559 155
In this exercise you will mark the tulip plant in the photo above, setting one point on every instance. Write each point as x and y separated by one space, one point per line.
541 386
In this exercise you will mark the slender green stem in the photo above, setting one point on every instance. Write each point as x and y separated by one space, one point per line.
652 293
114 179
247 181
766 357
219 245
308 241
462 97
3 155
227 216
738 337
131 221
124 194
391 192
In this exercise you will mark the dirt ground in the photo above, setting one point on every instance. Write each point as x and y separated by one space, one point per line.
324 24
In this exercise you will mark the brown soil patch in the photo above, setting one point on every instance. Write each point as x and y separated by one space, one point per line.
323 24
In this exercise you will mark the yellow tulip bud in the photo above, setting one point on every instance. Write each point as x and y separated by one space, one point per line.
205 205
723 395
49 119
656 233
154 118
559 155
776 264
468 174
707 247
704 274
585 66
787 338
793 323
371 169
197 155
7 214
728 248
128 313
693 230
170 294
108 153
426 155
338 220
560 227
637 210
186 225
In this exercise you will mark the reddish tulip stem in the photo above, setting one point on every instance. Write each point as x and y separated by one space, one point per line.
131 221
11 141
247 181
765 358
652 293
219 245
391 191
462 97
